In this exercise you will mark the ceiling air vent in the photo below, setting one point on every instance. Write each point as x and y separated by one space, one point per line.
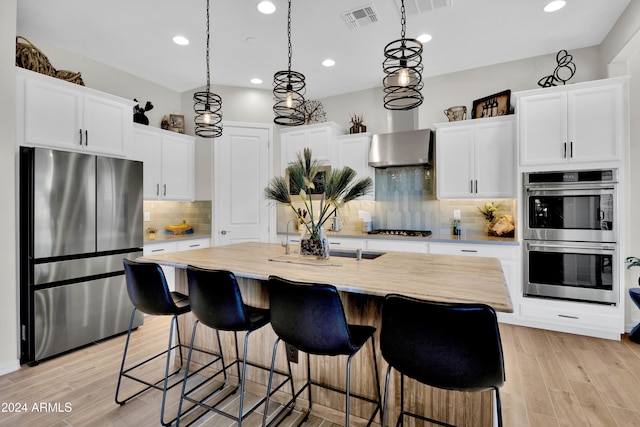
361 16
416 7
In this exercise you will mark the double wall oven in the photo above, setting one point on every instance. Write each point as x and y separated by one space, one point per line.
571 235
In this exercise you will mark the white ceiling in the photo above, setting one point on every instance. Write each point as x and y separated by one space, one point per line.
135 36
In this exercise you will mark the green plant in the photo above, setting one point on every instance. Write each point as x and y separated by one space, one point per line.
632 262
340 187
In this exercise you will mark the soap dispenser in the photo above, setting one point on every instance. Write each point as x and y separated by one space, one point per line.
456 230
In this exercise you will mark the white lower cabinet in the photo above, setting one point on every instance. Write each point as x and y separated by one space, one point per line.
509 256
595 320
174 246
187 245
397 245
162 248
346 243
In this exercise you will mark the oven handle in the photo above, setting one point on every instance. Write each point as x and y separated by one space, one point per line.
569 189
551 245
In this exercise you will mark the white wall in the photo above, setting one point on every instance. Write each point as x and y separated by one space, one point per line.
238 105
461 88
9 349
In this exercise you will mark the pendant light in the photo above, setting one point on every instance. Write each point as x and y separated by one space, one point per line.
288 90
207 105
402 67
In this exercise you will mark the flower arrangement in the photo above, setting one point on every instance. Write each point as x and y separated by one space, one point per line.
340 187
490 211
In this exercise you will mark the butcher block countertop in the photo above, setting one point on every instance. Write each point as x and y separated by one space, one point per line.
445 278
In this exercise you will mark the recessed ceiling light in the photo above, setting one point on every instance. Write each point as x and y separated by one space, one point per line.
256 81
328 62
424 38
266 7
181 40
555 5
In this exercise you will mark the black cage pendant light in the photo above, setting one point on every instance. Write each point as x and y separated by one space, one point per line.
207 105
403 71
288 90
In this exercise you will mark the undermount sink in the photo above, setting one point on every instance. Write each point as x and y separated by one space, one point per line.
345 253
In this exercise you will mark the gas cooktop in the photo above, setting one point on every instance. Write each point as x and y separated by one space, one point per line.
409 233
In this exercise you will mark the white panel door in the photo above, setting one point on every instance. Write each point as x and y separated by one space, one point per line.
241 172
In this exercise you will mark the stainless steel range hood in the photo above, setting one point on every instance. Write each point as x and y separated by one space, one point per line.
414 147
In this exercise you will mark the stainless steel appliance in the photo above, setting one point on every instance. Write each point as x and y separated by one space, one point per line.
571 235
408 148
580 271
573 205
80 215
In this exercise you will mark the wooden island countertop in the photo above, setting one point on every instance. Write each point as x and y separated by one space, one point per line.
362 286
446 278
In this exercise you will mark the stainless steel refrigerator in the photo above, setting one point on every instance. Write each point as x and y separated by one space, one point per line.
80 215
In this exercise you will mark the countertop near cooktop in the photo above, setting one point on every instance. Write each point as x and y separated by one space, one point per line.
443 238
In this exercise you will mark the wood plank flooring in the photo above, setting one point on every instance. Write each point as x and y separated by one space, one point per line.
553 379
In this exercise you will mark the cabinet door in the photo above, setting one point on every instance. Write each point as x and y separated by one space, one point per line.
107 126
454 162
147 148
321 141
495 160
595 128
292 143
177 168
542 121
319 138
353 151
52 115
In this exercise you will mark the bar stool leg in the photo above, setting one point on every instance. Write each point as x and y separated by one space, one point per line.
386 398
174 323
124 356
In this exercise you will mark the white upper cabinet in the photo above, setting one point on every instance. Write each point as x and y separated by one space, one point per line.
353 151
57 114
320 138
476 158
580 123
168 160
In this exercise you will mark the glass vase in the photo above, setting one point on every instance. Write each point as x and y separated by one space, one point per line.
314 246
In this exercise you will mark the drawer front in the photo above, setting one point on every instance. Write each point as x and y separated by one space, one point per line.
187 245
397 245
570 317
490 251
159 248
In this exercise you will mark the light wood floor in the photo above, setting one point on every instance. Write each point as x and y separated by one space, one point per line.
553 379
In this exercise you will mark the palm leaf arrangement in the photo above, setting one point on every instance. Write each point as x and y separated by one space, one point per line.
340 187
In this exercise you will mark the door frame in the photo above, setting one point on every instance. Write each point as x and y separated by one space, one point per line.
215 225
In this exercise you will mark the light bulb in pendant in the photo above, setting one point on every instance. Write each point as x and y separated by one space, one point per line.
206 116
403 77
289 99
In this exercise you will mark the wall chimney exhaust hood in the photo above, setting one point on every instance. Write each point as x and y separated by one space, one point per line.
414 147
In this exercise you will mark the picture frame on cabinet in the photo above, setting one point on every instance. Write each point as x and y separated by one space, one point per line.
498 104
176 123
318 182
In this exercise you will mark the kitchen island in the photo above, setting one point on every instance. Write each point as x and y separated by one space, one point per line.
362 285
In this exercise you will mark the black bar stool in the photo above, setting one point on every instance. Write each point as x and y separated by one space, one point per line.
217 303
149 293
448 346
311 318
